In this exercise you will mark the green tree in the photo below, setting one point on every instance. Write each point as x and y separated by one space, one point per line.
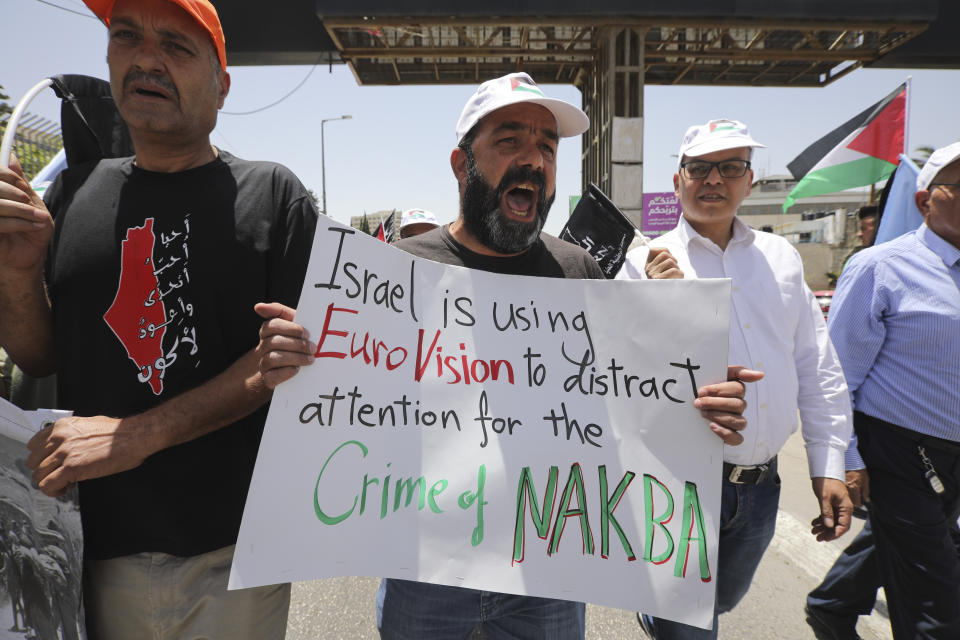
316 200
365 225
4 107
922 154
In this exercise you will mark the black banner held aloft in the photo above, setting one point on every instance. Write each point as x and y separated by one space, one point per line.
598 226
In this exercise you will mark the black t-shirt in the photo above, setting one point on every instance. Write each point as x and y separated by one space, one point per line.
153 278
549 257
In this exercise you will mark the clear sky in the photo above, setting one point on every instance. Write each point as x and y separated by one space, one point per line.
394 152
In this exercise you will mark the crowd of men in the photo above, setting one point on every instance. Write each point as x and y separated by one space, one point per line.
180 267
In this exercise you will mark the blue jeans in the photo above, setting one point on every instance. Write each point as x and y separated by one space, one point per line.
422 611
748 517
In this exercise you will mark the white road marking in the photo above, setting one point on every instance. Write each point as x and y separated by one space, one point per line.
793 540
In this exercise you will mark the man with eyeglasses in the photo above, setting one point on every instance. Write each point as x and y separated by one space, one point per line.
895 320
775 326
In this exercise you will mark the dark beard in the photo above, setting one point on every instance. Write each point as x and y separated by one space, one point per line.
481 209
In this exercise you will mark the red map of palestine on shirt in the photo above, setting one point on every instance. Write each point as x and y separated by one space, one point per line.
153 301
132 319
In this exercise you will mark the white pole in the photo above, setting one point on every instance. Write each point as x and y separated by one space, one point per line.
323 169
7 145
906 120
323 160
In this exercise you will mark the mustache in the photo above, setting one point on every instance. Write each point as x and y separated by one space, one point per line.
480 208
518 175
150 79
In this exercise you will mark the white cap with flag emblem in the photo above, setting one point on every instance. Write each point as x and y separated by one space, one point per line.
511 89
937 161
716 135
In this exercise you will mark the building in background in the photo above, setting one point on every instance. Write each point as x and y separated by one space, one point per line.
374 219
822 228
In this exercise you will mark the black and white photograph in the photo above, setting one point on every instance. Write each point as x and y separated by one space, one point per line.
41 548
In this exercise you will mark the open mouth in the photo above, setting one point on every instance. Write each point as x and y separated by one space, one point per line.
149 93
151 89
521 200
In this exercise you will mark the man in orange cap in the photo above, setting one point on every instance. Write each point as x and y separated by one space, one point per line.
141 299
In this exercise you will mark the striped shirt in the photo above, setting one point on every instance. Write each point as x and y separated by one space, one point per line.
895 322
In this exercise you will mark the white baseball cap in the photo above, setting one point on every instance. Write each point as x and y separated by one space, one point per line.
716 135
938 160
417 216
511 89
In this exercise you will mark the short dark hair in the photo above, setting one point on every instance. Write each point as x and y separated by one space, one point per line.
466 143
868 211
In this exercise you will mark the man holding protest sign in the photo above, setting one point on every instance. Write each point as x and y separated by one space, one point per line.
777 326
505 165
152 272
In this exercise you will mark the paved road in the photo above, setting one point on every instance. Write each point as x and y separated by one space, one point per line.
792 566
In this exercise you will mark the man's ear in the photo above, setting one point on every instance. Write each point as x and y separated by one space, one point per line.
922 198
676 184
224 83
458 162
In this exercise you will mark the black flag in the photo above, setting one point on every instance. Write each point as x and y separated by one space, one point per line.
92 127
386 231
598 226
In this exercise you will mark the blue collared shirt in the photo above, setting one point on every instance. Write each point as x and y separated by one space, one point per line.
895 323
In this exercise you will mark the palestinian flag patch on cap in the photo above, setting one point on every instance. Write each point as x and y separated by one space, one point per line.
722 125
516 85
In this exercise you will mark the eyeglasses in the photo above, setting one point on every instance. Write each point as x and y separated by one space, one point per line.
700 169
952 185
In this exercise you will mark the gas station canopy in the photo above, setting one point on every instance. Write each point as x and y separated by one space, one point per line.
608 49
701 42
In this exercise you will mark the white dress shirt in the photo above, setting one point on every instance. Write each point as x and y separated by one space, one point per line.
776 326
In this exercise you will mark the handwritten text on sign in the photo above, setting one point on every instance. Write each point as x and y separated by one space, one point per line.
507 433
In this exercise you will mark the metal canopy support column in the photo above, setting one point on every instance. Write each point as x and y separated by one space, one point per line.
613 98
597 93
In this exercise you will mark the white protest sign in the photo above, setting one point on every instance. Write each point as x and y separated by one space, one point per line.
507 433
20 425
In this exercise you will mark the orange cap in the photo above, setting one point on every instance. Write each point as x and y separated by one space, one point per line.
200 10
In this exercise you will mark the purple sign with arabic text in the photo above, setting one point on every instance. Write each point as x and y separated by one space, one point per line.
661 212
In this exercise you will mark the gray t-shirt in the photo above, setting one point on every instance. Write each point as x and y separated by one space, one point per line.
549 257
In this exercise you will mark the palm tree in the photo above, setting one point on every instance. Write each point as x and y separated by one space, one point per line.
922 154
4 107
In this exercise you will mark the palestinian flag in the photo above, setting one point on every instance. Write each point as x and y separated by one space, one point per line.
520 84
385 231
862 151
